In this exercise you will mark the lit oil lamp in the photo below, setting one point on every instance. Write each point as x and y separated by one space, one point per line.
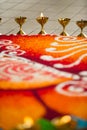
64 123
42 20
28 124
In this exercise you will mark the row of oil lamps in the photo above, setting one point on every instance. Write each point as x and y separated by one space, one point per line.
63 123
43 19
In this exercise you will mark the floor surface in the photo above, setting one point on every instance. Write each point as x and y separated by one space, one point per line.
54 9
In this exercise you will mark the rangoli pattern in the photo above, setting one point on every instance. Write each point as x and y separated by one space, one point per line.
42 76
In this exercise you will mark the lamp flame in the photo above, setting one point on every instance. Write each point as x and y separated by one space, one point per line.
41 15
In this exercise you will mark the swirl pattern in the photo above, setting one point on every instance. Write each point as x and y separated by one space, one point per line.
67 52
10 48
19 70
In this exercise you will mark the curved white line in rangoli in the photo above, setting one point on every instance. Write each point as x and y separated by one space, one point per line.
77 62
12 53
83 73
51 58
10 48
5 42
69 39
13 47
74 88
56 44
53 50
16 58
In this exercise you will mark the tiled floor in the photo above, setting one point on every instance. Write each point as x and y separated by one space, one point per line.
54 9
